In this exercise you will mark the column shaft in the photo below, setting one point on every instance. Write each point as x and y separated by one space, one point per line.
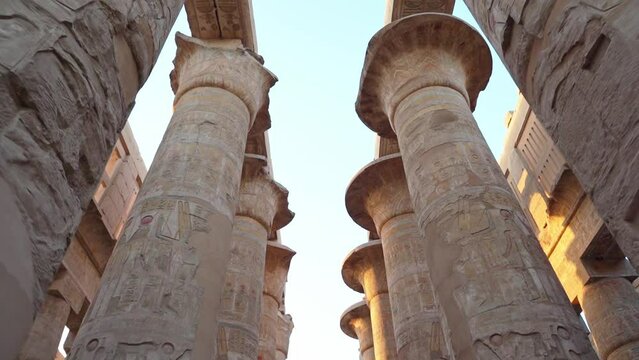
238 333
496 287
42 342
611 307
161 291
382 326
268 328
416 316
69 72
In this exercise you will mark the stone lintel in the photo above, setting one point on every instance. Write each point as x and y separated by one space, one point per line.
386 146
278 261
202 63
95 237
256 144
78 263
609 268
64 286
363 269
397 9
261 197
415 52
222 19
379 192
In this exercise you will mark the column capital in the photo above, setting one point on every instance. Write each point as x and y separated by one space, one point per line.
364 271
356 323
278 261
261 197
226 65
423 50
378 192
284 329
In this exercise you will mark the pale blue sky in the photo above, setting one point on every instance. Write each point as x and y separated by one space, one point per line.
318 143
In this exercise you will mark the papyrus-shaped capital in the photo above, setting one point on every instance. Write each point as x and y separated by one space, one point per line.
210 64
415 52
379 192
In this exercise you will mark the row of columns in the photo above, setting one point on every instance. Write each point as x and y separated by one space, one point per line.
471 278
195 258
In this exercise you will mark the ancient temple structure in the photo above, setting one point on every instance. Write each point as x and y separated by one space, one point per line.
462 262
591 267
458 272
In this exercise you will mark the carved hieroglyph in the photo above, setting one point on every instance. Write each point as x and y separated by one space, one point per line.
261 202
378 200
611 307
278 261
575 62
69 71
364 271
356 323
160 294
495 286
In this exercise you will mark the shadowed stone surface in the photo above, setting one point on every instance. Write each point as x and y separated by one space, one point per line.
160 294
576 63
69 72
497 290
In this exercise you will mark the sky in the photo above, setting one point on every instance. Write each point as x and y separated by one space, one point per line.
316 48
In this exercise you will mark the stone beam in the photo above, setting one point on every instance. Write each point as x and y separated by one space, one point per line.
222 19
397 9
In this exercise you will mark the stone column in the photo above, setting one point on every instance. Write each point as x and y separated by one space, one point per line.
575 62
496 288
69 73
261 202
364 271
160 294
611 307
284 330
42 342
356 323
378 200
64 300
278 261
